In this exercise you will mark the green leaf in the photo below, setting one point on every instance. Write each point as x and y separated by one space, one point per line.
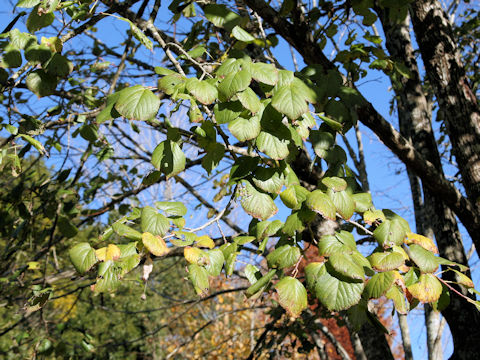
264 73
27 3
11 57
273 146
336 110
334 183
290 100
137 103
172 208
427 289
127 250
127 264
283 257
214 156
227 111
126 231
198 275
390 233
82 257
424 259
292 295
345 264
386 261
109 112
203 91
312 271
169 158
89 132
245 129
38 20
294 223
214 267
242 35
229 66
170 83
242 167
221 17
249 100
337 292
268 179
255 203
443 261
234 83
66 227
109 277
321 142
41 83
153 222
398 297
35 143
59 65
242 240
163 71
183 238
322 204
261 284
343 202
230 253
379 284
363 202
252 273
289 197
140 36
342 241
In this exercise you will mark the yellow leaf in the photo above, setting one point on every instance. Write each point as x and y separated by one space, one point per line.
421 240
427 289
372 216
195 256
154 244
33 265
111 252
463 279
206 242
101 253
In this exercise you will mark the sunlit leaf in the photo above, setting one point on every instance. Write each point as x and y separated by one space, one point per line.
427 290
154 244
292 296
138 103
169 158
83 257
255 203
421 240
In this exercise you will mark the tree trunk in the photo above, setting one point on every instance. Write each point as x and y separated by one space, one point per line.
374 343
434 333
405 331
457 102
414 118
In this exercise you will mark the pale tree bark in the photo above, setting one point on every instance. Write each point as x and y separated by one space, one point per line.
457 102
405 331
433 218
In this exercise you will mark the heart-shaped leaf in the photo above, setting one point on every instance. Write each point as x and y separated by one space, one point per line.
292 295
